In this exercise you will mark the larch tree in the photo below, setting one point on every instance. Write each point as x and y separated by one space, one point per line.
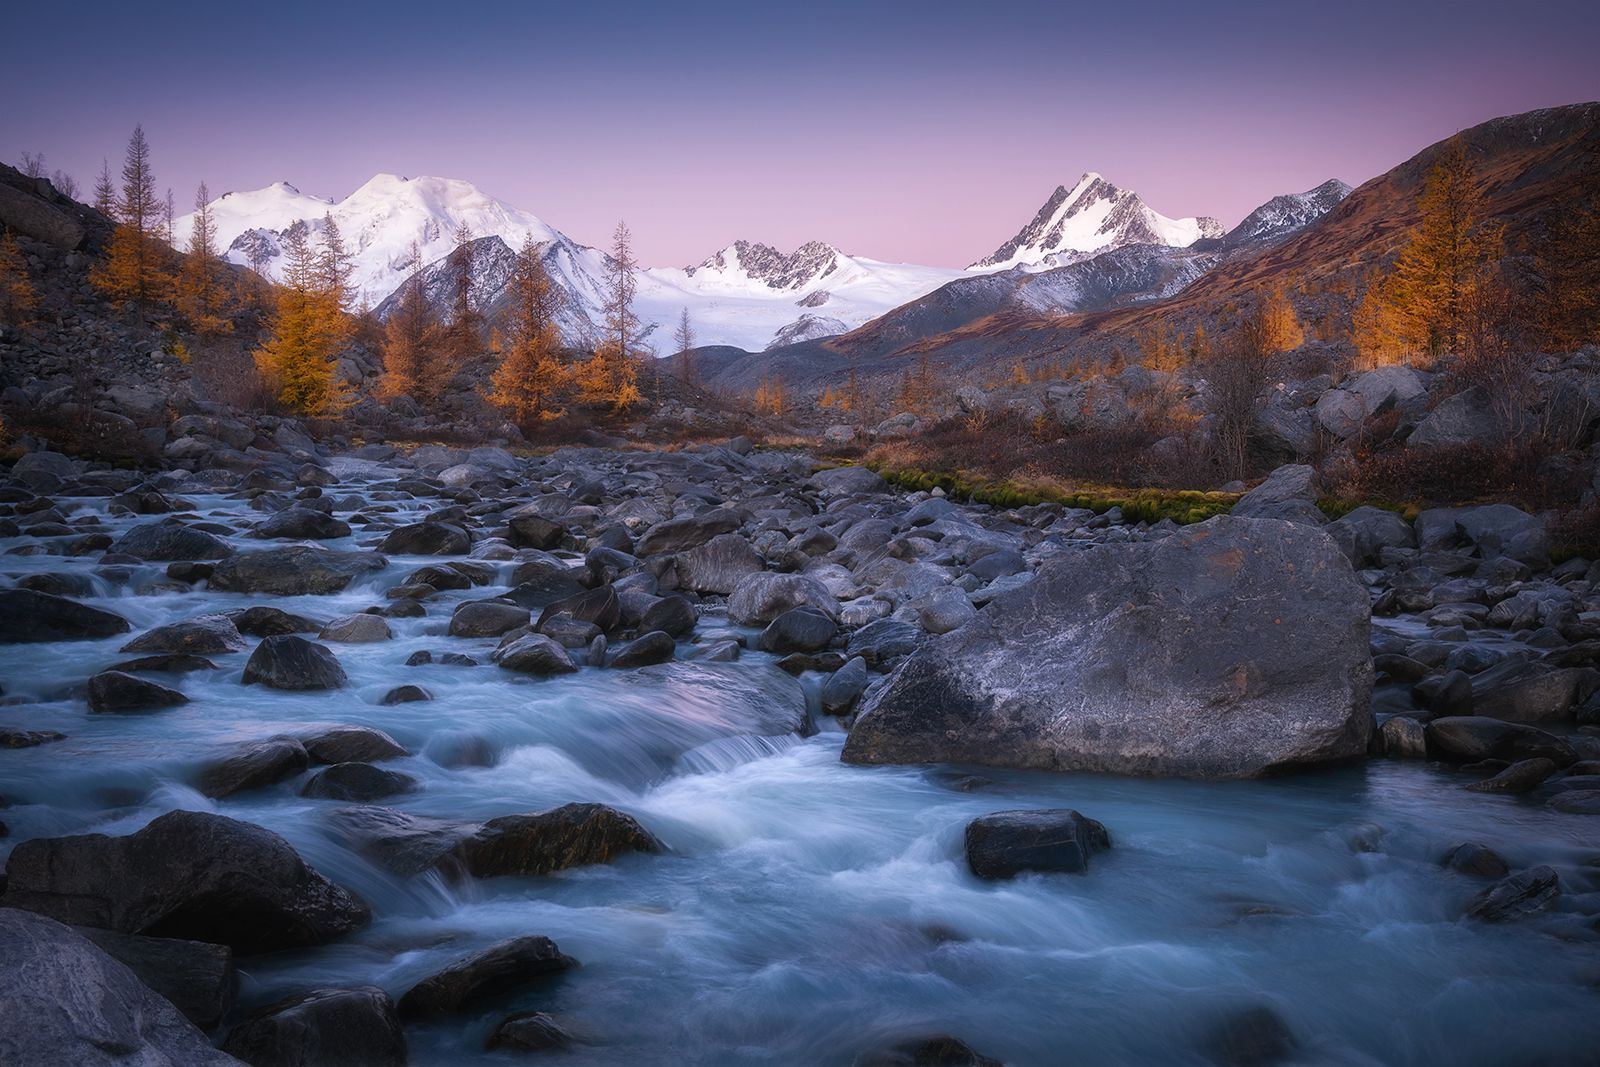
464 335
135 269
531 378
684 339
1279 325
16 287
611 376
412 342
307 331
333 263
65 184
105 191
1566 265
201 298
1423 303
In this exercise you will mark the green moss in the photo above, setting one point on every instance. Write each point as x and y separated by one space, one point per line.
1182 506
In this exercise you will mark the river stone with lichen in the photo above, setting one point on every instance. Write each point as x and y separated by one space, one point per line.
1230 649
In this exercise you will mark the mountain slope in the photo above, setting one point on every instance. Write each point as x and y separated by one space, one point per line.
1283 215
1093 216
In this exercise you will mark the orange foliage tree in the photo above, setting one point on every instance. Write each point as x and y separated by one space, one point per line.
531 378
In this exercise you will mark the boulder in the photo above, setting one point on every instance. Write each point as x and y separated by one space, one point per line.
27 616
197 977
357 1026
529 1031
427 539
535 531
689 531
719 565
1007 843
573 835
358 782
252 765
642 651
883 640
487 618
1384 388
499 969
1364 533
65 1001
844 687
803 629
598 607
114 691
535 654
943 610
1521 777
1232 648
166 541
940 1050
1472 739
760 598
1340 413
349 744
672 615
294 571
36 217
1464 419
291 662
1522 894
845 481
204 636
188 875
263 621
357 629
1476 860
1288 493
302 524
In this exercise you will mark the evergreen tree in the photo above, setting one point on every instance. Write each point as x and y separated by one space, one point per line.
201 298
531 377
16 287
307 332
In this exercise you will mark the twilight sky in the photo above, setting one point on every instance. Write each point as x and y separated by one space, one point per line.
900 131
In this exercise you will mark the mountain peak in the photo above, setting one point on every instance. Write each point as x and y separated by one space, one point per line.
1091 217
1283 215
761 263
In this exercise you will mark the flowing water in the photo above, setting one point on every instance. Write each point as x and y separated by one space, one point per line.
809 911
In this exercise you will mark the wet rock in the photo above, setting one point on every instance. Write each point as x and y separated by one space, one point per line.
1470 738
359 782
500 969
598 607
406 694
352 744
760 598
357 1026
939 1051
844 687
65 1001
291 662
1476 860
27 616
1231 648
1576 802
165 541
356 629
1445 694
1520 777
672 615
427 539
403 843
58 584
535 531
294 571
253 765
208 635
682 534
116 692
535 654
884 640
12 738
187 875
573 835
1532 692
656 647
301 524
725 651
167 663
197 977
719 565
1251 1037
1007 843
1524 893
486 618
529 1031
272 622
1403 738
798 630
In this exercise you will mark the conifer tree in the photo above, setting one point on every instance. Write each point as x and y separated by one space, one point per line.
684 338
618 374
333 262
412 342
134 271
531 379
307 332
201 298
16 287
463 340
1566 264
1280 326
105 191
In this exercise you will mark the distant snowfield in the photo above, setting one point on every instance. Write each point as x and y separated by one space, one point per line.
746 295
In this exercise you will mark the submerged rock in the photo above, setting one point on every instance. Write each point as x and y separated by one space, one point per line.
168 541
529 1031
499 969
357 782
114 691
1524 893
349 744
253 765
187 875
1007 843
325 1026
573 835
28 616
1233 648
940 1051
295 571
65 1001
291 662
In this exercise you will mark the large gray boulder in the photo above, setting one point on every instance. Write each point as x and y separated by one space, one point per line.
1464 419
37 218
64 1001
1230 649
27 616
296 571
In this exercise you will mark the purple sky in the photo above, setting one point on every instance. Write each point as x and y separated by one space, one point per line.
892 130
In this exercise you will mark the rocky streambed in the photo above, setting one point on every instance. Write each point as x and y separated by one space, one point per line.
712 757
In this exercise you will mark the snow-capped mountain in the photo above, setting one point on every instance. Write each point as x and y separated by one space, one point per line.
1092 217
1283 215
744 295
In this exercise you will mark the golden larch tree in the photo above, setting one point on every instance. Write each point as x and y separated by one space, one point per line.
1279 325
201 297
135 270
307 332
16 287
412 342
531 379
